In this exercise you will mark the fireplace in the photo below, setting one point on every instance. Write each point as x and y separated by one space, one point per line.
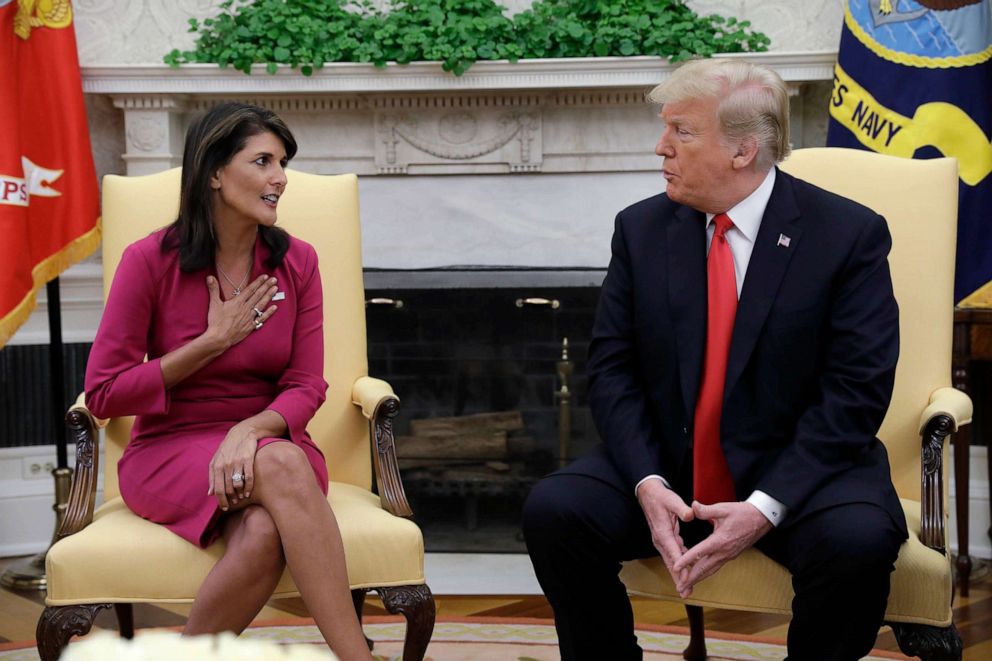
517 168
490 373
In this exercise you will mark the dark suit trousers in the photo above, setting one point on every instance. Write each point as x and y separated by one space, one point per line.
581 522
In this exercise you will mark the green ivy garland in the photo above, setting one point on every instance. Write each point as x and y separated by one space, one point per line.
306 34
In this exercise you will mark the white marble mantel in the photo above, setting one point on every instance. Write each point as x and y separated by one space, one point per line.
546 151
510 164
344 77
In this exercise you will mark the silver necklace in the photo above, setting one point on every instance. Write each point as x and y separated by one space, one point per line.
237 287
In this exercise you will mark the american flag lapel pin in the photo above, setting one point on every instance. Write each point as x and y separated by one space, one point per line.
783 241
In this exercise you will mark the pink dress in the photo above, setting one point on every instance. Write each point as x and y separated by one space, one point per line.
155 308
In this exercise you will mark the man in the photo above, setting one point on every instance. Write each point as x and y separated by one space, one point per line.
742 360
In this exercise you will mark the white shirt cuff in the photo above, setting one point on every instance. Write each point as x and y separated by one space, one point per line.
773 510
651 477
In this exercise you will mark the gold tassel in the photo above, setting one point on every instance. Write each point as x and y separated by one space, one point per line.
22 19
41 13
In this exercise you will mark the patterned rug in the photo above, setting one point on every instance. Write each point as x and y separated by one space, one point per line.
492 639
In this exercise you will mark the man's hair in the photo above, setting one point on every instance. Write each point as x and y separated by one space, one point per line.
752 101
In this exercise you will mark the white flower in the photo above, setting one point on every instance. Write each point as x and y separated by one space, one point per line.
168 646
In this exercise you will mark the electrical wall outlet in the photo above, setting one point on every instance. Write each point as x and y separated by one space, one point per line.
33 468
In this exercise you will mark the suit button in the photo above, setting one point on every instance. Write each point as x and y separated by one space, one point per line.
685 430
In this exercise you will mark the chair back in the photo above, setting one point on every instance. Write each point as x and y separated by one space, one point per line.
321 210
919 200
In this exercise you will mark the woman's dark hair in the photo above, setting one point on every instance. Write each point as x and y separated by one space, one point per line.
211 143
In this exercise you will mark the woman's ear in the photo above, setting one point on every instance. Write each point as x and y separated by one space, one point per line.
215 180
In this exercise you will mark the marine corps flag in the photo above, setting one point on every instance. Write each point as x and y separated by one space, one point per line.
914 79
49 201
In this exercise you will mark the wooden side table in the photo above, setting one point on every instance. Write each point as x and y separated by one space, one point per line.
972 342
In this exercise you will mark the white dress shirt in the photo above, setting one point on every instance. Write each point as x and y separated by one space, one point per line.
746 216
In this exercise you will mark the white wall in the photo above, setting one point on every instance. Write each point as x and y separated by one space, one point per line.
142 31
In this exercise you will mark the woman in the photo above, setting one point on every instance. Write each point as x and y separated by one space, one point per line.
227 308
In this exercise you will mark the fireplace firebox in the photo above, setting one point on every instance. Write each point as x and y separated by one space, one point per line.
491 376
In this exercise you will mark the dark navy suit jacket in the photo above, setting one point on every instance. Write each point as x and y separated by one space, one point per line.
812 359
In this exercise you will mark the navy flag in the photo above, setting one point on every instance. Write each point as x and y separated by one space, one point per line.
914 79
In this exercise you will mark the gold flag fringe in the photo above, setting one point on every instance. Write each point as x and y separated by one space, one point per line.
49 268
980 298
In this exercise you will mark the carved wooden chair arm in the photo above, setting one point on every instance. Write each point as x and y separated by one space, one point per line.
949 409
950 402
83 428
380 405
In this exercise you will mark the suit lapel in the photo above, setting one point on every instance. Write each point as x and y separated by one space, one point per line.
765 271
687 297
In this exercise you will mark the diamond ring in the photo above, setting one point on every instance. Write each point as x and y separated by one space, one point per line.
237 477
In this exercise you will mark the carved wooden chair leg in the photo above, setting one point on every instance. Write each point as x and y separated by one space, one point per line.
125 620
58 624
358 598
696 651
417 605
928 643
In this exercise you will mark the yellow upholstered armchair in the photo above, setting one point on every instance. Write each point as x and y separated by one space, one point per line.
919 200
111 557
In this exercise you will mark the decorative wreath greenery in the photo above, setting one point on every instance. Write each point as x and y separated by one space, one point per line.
306 34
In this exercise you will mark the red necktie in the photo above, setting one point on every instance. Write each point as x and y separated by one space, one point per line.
711 478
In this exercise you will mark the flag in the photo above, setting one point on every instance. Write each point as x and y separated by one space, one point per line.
49 200
914 78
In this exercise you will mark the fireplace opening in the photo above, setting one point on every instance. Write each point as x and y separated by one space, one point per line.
491 379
